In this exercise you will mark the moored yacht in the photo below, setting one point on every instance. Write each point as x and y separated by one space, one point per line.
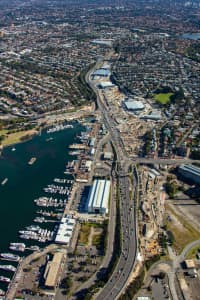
10 256
8 268
4 279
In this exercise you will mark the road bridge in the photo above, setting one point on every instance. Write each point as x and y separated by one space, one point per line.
118 280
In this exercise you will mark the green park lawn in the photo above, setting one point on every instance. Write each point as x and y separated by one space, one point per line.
16 137
163 98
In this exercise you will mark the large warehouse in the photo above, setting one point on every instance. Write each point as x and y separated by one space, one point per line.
134 105
99 196
102 73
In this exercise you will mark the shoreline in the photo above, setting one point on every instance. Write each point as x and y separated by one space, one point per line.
62 155
81 115
2 147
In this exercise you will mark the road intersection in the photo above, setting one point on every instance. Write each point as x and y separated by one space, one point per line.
116 284
118 281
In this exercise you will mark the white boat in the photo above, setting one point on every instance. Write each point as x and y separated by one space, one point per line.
10 256
33 227
34 248
4 181
50 139
17 247
4 279
28 232
18 244
39 219
59 128
8 268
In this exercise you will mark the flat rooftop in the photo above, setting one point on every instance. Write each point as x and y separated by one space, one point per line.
52 270
134 105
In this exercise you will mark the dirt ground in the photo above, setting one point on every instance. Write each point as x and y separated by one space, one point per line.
181 226
190 209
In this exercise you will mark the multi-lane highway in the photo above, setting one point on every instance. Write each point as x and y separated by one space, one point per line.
120 276
159 161
163 161
119 279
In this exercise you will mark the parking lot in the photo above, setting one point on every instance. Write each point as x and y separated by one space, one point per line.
194 287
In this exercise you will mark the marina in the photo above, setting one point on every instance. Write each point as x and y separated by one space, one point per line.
56 189
23 196
50 202
40 235
74 153
78 146
39 220
50 191
59 128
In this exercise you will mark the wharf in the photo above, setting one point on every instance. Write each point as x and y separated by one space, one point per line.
18 277
78 146
51 221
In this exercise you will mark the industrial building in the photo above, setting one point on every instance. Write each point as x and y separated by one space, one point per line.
99 196
102 73
106 84
108 155
154 116
191 172
65 230
105 42
53 270
134 106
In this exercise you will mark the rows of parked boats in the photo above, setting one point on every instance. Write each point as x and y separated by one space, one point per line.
17 247
10 268
59 127
35 232
61 186
56 189
63 180
52 214
50 202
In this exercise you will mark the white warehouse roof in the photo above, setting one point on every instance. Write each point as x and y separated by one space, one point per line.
134 105
99 196
65 230
106 84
